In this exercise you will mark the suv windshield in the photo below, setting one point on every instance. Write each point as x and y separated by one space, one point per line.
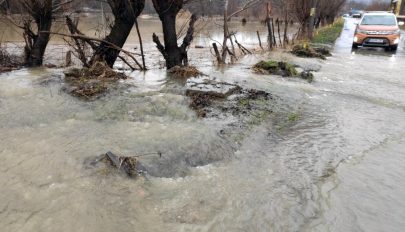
386 20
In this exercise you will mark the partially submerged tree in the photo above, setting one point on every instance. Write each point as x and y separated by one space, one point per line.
174 54
40 15
125 14
108 49
222 56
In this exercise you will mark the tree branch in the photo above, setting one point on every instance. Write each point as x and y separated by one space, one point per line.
190 32
113 46
159 45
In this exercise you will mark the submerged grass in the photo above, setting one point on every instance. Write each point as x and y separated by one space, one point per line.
328 34
293 117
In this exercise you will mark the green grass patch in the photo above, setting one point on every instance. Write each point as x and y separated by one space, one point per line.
267 65
293 117
329 34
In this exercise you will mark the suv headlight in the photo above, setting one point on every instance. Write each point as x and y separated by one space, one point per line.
394 32
361 31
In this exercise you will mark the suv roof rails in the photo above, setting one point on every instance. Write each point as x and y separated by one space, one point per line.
378 12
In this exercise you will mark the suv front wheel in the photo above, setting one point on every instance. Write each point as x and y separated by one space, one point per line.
393 47
355 46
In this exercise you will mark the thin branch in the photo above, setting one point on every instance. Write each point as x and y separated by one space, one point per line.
113 46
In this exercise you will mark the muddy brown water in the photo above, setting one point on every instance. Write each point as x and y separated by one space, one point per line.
338 167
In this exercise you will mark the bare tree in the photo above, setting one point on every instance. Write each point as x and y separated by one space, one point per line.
221 57
39 13
305 11
125 14
174 54
108 49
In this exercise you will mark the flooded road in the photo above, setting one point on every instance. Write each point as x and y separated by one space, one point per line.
329 158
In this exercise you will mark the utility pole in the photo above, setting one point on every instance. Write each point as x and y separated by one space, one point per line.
312 19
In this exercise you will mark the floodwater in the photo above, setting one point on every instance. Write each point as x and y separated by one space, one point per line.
338 167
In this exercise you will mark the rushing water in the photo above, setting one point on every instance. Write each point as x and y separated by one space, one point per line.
339 167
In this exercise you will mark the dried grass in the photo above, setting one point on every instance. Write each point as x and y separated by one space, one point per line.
185 72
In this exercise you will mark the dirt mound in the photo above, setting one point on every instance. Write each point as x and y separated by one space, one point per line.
93 82
280 68
304 50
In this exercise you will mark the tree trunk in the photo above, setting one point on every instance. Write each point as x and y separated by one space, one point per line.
35 48
118 35
125 14
226 34
174 54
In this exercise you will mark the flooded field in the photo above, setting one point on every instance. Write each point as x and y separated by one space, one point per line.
328 158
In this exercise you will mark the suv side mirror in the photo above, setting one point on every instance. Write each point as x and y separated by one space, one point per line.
401 23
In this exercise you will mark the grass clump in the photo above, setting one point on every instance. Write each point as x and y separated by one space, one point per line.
267 65
328 34
293 117
281 68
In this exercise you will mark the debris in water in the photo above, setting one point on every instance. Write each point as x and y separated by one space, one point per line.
211 88
185 72
280 68
90 83
304 50
129 165
211 98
